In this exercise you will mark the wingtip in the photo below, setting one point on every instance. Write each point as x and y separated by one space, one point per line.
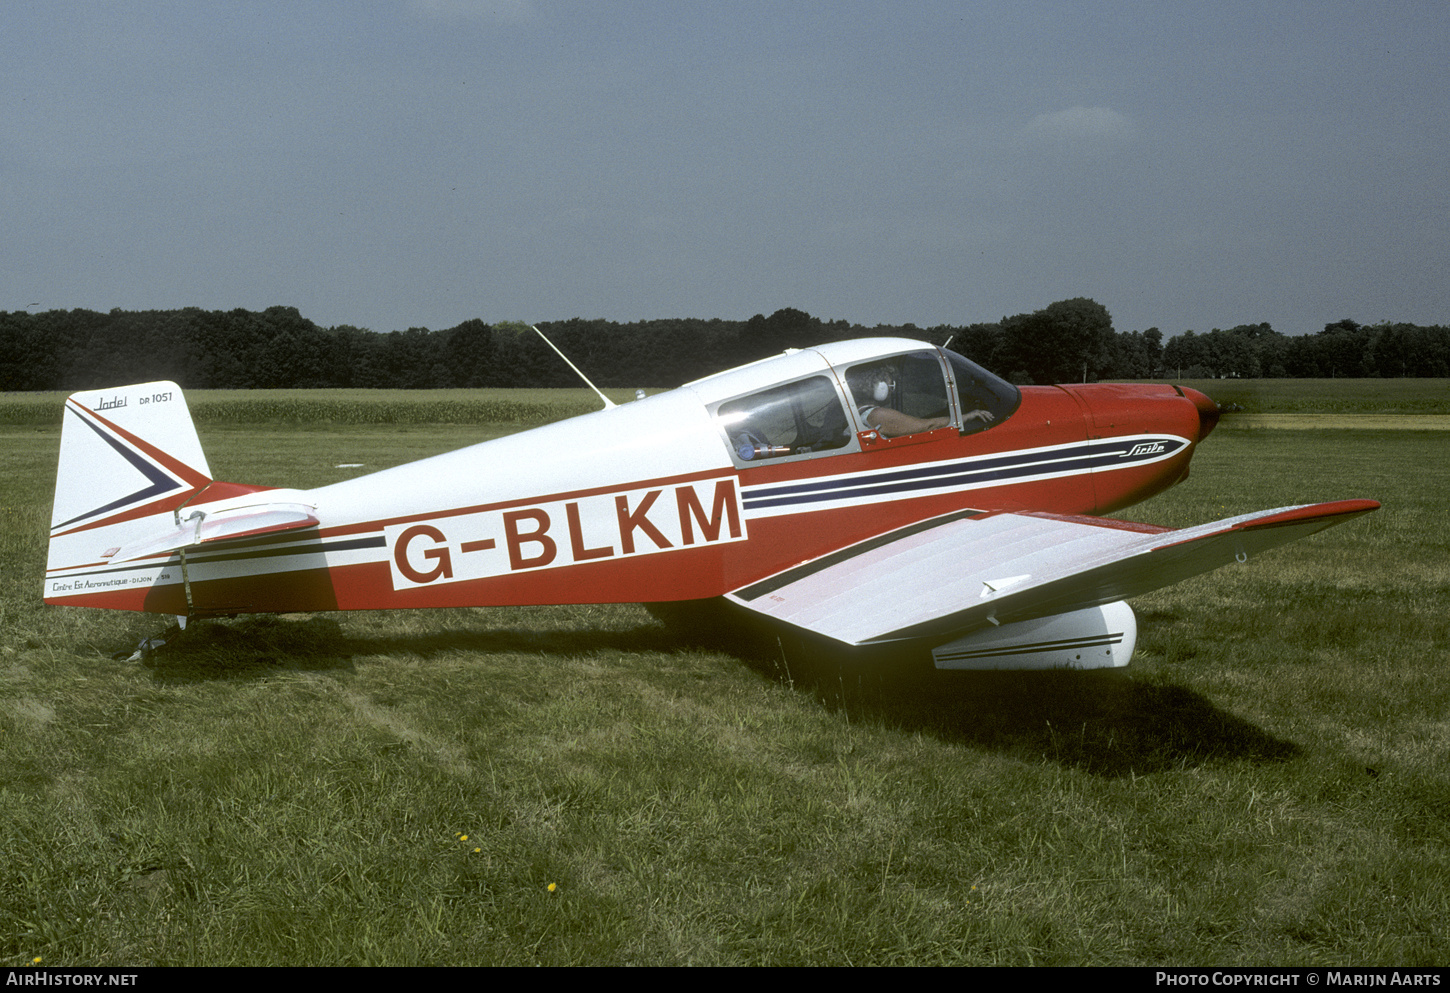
1313 511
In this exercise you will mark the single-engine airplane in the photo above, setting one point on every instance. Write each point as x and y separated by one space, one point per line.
876 492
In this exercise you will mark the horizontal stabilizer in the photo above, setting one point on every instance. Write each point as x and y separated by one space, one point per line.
203 527
961 572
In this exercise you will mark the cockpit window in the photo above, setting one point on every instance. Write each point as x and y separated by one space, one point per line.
985 399
901 395
797 418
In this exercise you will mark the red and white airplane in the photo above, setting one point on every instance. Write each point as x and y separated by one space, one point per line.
878 492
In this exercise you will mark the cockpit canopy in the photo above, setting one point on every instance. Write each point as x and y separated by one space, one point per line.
796 418
838 393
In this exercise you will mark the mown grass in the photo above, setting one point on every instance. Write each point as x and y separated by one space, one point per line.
349 407
1328 396
1267 784
537 406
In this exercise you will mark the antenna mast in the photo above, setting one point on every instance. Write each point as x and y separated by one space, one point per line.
608 403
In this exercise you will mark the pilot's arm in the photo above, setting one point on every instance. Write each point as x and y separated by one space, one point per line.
893 423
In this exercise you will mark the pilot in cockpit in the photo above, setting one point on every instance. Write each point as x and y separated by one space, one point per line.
975 420
874 389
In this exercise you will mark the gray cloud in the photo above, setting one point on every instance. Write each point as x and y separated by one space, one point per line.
1095 131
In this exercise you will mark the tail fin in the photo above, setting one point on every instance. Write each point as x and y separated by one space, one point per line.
126 455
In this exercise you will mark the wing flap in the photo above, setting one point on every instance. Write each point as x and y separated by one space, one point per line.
958 573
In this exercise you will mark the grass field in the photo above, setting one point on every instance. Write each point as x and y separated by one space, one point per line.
341 407
1329 396
348 407
1268 783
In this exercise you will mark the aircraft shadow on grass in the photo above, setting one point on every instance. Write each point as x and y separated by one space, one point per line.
1105 723
258 645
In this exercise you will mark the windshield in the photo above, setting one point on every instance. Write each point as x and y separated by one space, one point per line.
979 390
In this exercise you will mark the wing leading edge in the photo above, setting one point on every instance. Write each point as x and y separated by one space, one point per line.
953 574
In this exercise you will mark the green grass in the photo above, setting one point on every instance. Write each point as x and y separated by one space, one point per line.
536 406
1329 396
1267 784
349 407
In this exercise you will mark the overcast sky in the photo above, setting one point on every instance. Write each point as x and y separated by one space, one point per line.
397 164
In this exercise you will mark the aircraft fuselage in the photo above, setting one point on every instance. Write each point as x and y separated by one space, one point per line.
667 498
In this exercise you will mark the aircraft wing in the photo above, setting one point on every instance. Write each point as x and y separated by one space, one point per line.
944 577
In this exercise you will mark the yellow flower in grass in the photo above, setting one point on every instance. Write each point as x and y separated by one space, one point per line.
553 886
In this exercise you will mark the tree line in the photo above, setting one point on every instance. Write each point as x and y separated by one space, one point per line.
1067 341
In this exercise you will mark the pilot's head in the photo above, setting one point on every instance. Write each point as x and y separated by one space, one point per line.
873 383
